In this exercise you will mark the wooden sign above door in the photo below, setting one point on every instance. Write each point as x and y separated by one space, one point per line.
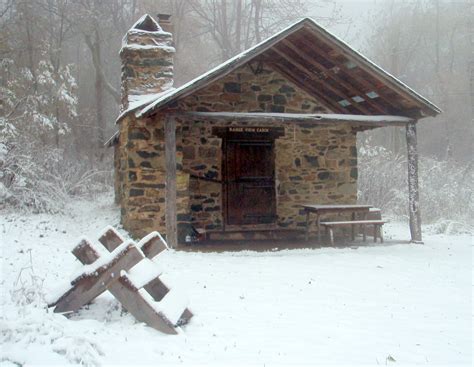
248 132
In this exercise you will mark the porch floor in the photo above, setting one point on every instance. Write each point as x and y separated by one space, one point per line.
285 244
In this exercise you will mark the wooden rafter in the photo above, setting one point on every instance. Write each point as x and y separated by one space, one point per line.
305 70
314 63
304 85
369 69
352 76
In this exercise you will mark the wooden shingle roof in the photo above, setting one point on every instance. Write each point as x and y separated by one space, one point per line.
322 65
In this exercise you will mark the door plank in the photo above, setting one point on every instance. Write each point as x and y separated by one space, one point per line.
250 182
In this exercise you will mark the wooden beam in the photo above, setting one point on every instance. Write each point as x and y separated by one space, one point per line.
170 156
305 70
304 85
376 72
330 74
317 119
413 194
347 72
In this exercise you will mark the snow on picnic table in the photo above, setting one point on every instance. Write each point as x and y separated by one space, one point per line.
345 306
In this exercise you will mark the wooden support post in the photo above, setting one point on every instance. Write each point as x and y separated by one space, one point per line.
353 218
318 223
170 155
331 236
413 194
306 235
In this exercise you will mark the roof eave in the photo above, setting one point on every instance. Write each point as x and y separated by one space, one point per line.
223 68
392 80
426 106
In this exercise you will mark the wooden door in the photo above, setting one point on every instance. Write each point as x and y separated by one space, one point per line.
249 182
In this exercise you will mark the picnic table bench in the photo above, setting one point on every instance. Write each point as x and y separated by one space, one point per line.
376 223
353 209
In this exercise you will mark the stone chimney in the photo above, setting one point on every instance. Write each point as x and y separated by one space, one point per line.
147 61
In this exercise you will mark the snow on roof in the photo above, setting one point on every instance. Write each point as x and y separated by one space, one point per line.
139 100
243 57
235 61
172 93
373 65
113 139
145 107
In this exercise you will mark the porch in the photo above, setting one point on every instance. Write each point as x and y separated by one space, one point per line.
356 122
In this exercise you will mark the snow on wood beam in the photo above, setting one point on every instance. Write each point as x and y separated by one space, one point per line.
357 120
413 193
170 195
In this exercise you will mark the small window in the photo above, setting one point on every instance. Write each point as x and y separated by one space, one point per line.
372 95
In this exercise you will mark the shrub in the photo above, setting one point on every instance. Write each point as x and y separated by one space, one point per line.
446 187
43 180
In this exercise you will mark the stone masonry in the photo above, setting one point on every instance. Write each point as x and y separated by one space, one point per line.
315 164
147 69
147 61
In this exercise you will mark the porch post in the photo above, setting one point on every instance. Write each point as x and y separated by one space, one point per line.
413 194
170 155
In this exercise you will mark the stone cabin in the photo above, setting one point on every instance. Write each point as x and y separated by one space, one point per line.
234 152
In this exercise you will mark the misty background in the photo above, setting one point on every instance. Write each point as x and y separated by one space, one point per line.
60 88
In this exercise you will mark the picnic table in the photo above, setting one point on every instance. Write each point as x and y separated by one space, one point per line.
320 210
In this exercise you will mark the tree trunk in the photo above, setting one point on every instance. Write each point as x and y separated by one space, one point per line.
257 4
99 104
238 27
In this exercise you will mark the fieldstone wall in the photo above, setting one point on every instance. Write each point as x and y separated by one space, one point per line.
313 164
142 176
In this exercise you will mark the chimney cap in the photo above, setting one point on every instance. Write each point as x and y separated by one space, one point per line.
147 23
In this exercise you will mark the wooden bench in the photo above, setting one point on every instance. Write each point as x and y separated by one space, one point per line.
376 223
335 209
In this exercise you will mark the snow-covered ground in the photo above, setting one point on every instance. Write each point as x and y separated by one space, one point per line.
395 304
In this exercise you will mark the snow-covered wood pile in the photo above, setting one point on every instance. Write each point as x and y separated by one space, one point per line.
124 269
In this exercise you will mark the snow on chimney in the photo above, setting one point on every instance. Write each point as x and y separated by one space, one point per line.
147 61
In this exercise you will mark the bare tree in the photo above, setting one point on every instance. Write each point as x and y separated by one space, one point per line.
236 25
425 44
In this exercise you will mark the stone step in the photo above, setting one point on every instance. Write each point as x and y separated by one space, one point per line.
255 235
